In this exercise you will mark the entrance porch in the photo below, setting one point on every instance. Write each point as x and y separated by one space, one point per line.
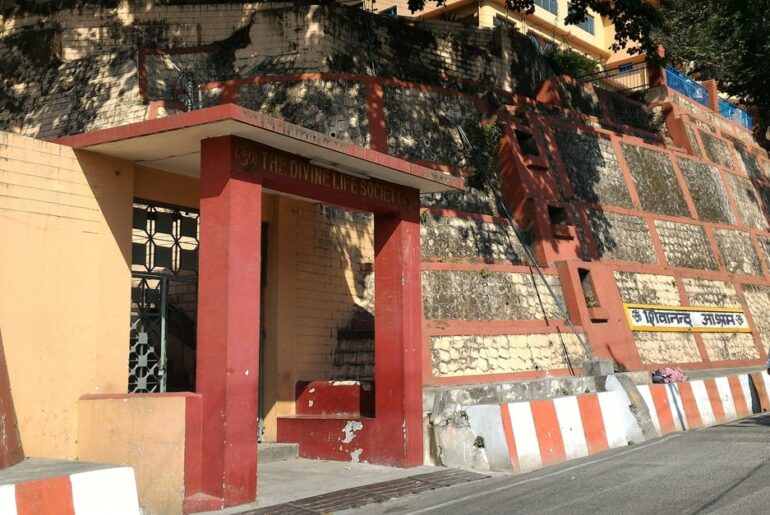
240 157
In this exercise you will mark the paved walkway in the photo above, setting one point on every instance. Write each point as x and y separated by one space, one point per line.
291 480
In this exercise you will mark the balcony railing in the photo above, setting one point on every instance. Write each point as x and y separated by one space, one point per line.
631 77
686 86
626 77
736 114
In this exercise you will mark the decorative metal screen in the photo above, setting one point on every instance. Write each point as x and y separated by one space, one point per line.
145 359
164 298
165 240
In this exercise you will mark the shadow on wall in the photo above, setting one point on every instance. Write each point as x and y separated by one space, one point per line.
594 177
41 96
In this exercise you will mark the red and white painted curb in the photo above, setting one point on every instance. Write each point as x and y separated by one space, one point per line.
694 404
95 492
524 436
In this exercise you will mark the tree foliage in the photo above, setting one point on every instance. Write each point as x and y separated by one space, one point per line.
565 61
634 20
725 40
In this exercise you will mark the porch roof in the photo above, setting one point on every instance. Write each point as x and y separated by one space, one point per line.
173 144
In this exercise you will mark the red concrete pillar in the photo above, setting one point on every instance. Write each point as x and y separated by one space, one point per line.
711 87
397 335
228 323
656 74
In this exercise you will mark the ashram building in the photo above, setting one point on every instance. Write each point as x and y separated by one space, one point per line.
545 26
229 224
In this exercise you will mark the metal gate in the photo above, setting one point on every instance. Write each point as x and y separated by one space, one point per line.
164 298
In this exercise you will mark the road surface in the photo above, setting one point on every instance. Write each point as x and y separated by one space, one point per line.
722 469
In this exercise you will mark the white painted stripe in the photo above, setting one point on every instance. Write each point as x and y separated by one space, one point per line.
525 436
8 500
111 490
613 420
644 391
746 389
571 426
704 404
726 396
485 422
675 404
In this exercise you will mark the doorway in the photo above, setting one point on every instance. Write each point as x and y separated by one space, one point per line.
164 298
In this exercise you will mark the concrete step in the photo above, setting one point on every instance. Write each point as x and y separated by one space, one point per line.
271 452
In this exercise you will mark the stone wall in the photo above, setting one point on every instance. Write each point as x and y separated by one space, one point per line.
747 202
655 181
758 302
707 191
717 150
334 108
446 238
703 292
639 288
622 237
485 295
477 355
685 245
738 252
592 167
423 125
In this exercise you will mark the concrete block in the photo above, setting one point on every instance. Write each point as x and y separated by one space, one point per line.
272 452
598 367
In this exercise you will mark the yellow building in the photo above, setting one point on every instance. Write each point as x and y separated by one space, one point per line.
545 26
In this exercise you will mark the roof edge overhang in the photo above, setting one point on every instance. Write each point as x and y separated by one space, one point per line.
173 144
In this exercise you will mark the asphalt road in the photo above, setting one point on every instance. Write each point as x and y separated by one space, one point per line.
722 469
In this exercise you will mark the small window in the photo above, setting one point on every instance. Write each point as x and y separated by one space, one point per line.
558 215
527 143
392 11
625 68
587 24
589 292
549 5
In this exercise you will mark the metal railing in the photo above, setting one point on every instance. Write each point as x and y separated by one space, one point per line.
735 114
686 86
631 77
626 77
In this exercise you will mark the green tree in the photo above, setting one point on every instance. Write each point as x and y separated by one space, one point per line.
725 40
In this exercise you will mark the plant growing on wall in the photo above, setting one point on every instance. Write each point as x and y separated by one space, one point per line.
564 61
484 159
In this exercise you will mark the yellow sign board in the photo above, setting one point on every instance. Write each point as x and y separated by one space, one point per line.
644 317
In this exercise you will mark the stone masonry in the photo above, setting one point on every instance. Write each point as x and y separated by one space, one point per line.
622 237
648 289
500 354
707 191
655 181
593 168
485 295
452 238
738 251
334 108
747 202
685 245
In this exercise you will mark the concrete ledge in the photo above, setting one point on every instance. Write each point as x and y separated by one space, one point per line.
443 401
59 486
